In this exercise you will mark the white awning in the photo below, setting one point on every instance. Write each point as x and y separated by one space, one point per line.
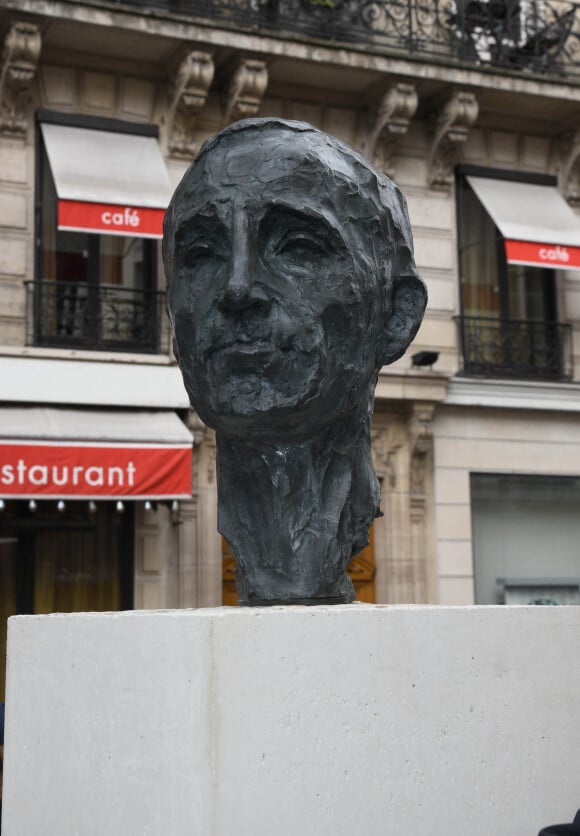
107 182
107 166
538 225
93 425
66 382
51 453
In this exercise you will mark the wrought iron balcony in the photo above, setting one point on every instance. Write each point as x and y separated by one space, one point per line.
516 348
98 317
540 36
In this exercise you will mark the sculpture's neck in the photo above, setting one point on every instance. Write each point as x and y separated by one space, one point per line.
294 514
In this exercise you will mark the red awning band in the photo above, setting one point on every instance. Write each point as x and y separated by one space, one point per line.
91 471
542 255
82 216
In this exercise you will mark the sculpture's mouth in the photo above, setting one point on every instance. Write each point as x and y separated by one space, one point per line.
249 347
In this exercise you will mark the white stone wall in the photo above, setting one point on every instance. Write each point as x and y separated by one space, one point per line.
322 721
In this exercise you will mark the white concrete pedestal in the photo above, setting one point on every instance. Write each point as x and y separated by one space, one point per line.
344 721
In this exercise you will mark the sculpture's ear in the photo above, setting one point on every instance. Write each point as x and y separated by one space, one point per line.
406 312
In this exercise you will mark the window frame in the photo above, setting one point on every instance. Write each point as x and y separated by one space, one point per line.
92 340
505 323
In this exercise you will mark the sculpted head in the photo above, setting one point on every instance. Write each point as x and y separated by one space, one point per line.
291 280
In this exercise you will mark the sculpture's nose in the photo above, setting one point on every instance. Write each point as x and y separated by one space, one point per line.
242 291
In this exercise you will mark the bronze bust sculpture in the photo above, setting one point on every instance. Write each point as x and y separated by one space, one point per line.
291 281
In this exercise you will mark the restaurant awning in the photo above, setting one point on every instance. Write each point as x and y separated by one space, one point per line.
539 227
107 181
81 453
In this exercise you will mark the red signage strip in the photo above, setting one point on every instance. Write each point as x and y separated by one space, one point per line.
86 471
79 216
542 255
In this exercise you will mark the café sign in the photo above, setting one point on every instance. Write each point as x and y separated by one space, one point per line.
542 255
82 216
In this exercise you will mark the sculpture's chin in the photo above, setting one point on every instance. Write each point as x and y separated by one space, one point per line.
232 395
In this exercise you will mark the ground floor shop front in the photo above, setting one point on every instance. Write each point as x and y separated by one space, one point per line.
507 494
480 504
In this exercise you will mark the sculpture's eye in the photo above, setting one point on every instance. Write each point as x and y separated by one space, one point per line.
301 246
198 253
201 242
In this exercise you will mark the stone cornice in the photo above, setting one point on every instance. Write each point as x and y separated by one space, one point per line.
317 51
411 385
513 394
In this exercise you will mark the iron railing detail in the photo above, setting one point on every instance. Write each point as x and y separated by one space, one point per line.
516 348
540 36
101 317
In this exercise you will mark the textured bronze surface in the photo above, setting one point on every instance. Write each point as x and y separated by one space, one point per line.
291 281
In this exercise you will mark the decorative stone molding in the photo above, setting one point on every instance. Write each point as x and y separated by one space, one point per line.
402 453
199 431
187 553
422 446
188 91
420 495
196 426
384 452
18 67
246 90
384 125
451 130
570 169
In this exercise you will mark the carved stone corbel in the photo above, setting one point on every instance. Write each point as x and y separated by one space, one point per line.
421 437
384 125
196 426
422 446
18 67
384 453
570 169
246 90
451 130
188 91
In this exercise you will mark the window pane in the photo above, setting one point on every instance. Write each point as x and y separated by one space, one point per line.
478 241
530 293
524 528
121 261
126 305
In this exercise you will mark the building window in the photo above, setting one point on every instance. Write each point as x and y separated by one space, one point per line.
509 322
526 531
96 263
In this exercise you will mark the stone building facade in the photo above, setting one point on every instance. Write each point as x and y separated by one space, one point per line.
443 97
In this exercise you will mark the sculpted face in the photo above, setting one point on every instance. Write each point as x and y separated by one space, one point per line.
291 281
276 299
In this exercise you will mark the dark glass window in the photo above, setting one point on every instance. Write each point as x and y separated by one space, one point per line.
526 531
64 561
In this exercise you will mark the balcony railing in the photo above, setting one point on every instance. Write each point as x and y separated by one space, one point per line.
540 36
516 348
98 317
